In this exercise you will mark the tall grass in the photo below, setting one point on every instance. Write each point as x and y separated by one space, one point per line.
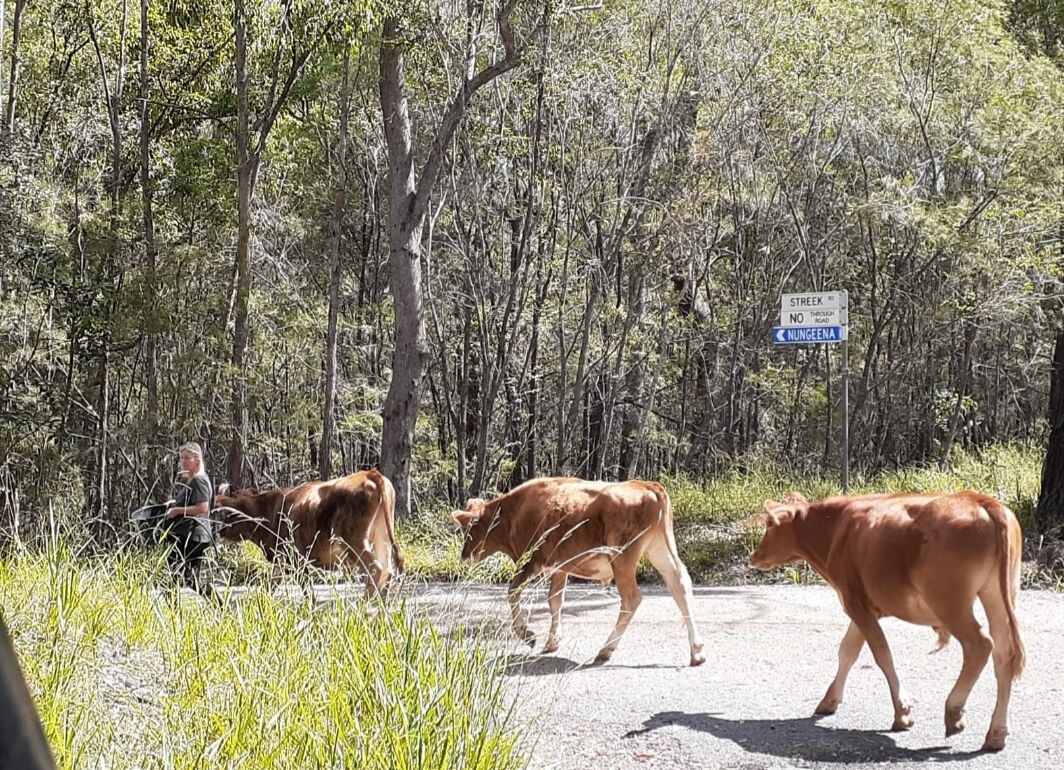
1012 473
124 677
710 513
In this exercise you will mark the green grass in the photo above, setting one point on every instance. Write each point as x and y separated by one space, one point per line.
124 677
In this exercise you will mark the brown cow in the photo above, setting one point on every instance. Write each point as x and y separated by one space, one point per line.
921 558
587 529
341 523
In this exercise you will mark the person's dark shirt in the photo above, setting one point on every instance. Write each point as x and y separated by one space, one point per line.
193 491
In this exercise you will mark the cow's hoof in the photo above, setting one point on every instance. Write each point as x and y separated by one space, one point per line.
827 706
698 656
995 739
902 723
954 721
603 656
550 646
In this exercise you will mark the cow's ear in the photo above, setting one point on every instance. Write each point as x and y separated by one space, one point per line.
770 505
780 514
464 519
796 498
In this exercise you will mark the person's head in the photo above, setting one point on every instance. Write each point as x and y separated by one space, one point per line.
190 459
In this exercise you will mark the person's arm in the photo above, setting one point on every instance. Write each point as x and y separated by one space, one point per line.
198 509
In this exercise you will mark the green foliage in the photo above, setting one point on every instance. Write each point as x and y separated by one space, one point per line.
126 675
613 226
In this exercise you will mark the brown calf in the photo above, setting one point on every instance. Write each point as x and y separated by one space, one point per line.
587 529
342 523
921 558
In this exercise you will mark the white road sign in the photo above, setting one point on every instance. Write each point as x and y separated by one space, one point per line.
826 308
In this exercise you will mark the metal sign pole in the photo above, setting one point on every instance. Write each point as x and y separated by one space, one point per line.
845 418
815 318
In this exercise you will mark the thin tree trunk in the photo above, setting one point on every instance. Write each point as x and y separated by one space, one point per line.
335 235
235 463
962 393
1049 516
16 62
113 100
150 253
3 26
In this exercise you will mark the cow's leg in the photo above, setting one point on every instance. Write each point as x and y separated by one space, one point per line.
520 614
877 642
954 610
628 588
850 648
674 573
376 575
997 615
557 595
381 544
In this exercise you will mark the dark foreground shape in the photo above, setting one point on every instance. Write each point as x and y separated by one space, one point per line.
22 742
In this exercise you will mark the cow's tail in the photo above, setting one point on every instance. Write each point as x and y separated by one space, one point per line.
386 503
666 520
1007 574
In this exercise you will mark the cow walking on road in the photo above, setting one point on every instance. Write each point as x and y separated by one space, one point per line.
921 558
342 523
587 529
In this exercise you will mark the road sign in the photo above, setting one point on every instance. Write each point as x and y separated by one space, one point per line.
816 300
807 335
816 318
832 316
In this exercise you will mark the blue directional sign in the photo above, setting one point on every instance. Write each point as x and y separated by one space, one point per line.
806 335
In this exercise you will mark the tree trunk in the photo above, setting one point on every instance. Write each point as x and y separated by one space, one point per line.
962 392
247 166
335 234
407 207
404 248
12 82
1049 516
109 270
235 463
150 253
3 26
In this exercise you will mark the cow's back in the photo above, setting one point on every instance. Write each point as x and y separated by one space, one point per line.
886 552
583 525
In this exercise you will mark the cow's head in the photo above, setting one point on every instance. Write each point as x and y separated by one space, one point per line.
477 528
779 545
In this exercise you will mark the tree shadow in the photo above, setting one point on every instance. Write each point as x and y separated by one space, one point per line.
803 739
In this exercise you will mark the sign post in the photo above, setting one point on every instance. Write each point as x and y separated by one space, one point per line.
818 318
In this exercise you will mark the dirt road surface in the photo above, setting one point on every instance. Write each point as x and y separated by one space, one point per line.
772 653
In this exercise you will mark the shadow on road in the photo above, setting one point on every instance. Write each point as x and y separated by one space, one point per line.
803 739
537 665
533 664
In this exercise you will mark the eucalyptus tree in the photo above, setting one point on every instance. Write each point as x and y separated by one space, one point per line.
473 61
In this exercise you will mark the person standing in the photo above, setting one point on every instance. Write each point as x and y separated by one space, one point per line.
189 530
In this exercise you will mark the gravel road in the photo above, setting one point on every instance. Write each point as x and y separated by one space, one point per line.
772 653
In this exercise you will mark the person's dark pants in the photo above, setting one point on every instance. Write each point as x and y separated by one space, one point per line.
187 552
